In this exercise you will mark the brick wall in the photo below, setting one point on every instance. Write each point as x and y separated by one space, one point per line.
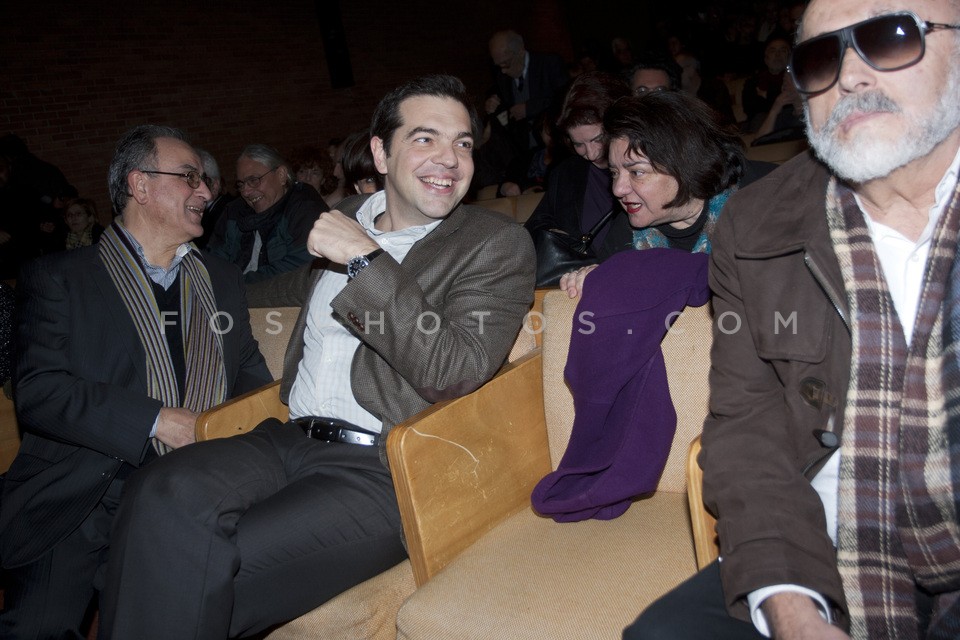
74 76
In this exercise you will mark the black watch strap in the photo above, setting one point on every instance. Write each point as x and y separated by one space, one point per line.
358 264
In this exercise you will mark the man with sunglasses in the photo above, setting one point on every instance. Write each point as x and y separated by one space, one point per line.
832 450
119 346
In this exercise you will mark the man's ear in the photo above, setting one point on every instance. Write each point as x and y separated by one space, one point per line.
379 154
137 186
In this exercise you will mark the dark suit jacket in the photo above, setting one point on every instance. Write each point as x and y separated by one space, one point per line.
80 393
475 271
546 76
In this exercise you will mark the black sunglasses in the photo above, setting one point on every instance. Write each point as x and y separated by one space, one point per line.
886 43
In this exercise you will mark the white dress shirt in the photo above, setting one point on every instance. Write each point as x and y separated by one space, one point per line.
322 386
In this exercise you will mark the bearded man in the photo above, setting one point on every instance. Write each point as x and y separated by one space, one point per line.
832 448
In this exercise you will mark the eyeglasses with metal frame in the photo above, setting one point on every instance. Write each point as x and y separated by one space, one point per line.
253 181
193 178
889 42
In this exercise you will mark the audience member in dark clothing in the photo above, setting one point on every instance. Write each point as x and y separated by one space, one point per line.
83 230
359 170
17 209
527 83
264 232
219 197
578 193
705 86
655 72
762 88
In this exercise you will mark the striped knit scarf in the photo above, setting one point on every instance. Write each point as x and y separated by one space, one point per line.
206 379
897 512
651 238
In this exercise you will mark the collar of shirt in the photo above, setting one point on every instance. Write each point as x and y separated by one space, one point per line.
163 277
941 198
367 216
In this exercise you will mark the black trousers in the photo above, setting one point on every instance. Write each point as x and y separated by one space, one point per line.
692 611
49 598
229 537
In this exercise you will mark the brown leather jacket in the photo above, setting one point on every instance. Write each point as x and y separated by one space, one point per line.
781 360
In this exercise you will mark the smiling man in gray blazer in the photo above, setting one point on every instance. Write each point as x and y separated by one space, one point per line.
415 299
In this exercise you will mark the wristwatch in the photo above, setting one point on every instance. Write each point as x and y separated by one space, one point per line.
356 265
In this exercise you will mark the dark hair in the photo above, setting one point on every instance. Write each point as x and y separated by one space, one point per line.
682 138
136 149
652 60
310 156
89 206
386 118
589 96
357 161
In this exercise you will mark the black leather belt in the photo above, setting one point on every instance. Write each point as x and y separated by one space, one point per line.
334 430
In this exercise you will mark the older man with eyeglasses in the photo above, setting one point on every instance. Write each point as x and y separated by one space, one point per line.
831 456
265 230
119 346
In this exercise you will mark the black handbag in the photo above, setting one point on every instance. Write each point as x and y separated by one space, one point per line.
559 252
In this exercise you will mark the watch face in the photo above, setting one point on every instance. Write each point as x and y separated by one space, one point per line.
356 265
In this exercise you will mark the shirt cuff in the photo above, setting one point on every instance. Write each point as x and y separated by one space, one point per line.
756 598
153 429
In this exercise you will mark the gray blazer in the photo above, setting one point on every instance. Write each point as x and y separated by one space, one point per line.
475 271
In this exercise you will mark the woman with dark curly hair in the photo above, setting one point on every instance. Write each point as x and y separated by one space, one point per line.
673 168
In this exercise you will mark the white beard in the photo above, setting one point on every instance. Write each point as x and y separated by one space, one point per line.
863 157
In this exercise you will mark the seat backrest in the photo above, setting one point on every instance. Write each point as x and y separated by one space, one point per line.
271 328
686 350
525 206
702 522
530 334
517 207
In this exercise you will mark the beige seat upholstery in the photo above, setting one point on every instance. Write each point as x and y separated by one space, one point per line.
488 566
368 610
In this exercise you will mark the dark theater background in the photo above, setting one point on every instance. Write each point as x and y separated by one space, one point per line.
75 75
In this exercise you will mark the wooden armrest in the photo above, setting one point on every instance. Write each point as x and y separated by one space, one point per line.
704 524
464 465
242 414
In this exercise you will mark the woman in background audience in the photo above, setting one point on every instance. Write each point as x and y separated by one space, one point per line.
673 168
360 174
83 230
578 190
340 191
312 166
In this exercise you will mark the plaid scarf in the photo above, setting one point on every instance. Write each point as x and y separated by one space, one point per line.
206 378
897 513
77 240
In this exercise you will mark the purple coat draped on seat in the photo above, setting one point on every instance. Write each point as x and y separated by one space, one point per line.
625 420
